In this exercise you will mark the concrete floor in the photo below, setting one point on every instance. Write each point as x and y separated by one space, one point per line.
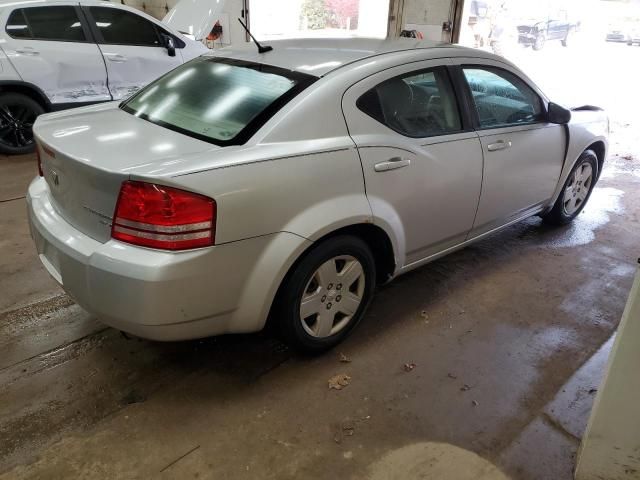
509 338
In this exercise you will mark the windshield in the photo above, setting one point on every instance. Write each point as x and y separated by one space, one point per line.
218 100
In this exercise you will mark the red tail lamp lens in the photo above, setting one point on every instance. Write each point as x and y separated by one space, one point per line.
163 217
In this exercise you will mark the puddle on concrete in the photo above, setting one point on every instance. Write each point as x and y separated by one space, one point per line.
603 202
619 169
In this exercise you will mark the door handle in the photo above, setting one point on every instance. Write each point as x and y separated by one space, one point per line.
27 51
501 145
115 57
392 164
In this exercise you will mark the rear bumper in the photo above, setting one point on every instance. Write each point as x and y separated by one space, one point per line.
162 295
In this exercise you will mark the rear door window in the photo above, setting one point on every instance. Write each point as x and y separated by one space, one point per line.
502 99
418 104
54 23
120 27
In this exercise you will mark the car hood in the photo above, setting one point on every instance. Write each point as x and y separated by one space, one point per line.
194 17
108 138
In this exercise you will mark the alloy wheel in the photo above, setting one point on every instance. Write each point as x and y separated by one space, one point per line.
16 123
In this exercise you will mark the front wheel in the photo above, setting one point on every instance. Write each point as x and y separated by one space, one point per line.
539 42
576 191
17 114
326 294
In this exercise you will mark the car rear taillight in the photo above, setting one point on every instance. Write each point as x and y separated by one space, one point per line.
39 159
156 216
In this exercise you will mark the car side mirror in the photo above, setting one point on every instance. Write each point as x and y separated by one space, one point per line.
558 114
170 45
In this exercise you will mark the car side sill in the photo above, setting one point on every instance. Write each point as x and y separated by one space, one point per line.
56 107
435 256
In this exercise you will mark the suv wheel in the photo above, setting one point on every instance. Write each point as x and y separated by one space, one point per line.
539 43
17 115
326 294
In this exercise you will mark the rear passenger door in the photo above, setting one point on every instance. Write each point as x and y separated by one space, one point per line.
51 47
523 152
422 163
133 48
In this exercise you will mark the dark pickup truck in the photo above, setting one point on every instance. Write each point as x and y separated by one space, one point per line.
536 33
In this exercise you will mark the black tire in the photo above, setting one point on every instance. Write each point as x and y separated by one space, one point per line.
295 286
558 214
539 43
17 114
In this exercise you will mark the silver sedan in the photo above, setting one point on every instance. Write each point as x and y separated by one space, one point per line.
247 187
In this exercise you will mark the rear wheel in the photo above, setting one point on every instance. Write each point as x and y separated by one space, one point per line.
326 294
576 191
17 114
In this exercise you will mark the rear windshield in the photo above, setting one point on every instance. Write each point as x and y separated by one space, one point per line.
218 100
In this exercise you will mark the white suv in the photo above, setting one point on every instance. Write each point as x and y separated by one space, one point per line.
61 54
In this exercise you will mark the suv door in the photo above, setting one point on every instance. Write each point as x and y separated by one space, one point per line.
559 26
51 47
422 166
133 47
523 152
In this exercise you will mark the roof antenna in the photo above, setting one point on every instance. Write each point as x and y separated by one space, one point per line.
261 49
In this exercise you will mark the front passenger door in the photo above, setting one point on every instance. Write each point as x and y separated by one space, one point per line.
422 167
523 152
132 48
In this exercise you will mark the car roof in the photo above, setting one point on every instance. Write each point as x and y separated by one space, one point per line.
22 3
318 57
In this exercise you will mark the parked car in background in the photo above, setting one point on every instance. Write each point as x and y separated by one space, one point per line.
633 37
287 185
57 54
537 32
617 33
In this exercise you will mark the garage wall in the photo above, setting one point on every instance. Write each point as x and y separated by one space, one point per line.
159 8
426 16
155 8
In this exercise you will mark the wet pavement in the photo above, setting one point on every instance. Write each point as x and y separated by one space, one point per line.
509 338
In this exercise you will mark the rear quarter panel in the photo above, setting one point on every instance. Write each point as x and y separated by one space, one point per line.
302 196
308 195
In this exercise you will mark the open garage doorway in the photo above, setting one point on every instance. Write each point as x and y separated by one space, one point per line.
319 18
579 51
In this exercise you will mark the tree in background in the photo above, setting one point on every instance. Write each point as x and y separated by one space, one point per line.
314 12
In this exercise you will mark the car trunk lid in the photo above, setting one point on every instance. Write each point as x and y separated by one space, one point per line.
85 161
